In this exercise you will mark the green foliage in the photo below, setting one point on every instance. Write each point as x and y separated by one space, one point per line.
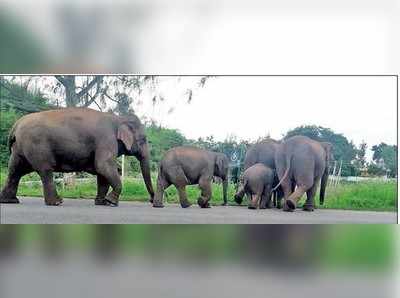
8 119
18 98
387 153
15 102
375 170
342 148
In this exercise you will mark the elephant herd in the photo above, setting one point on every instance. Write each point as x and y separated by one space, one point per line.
80 139
289 169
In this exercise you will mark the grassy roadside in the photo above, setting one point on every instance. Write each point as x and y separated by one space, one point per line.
378 196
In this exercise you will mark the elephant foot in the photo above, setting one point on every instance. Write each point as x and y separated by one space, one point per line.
238 199
101 202
158 204
151 200
224 204
203 203
12 200
54 202
185 204
112 200
289 206
308 208
252 207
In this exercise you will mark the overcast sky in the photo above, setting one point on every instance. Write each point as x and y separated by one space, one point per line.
361 108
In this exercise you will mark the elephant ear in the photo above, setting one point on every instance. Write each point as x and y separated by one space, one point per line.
219 164
125 136
328 149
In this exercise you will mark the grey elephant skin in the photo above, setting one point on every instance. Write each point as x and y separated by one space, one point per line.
262 152
257 185
302 163
182 166
72 140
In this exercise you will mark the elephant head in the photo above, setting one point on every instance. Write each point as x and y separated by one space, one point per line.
221 170
131 133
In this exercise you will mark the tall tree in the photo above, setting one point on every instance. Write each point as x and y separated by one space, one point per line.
117 93
80 95
361 151
387 154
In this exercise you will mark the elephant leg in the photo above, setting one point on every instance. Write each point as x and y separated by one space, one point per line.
240 194
109 170
309 205
253 203
17 168
183 197
286 189
102 189
205 186
162 184
265 201
290 203
51 197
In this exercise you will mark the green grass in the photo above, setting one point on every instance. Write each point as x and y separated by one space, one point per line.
378 196
381 196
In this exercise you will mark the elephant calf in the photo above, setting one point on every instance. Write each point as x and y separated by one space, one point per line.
185 165
257 185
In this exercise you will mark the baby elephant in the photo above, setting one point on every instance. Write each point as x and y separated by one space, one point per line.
257 185
182 166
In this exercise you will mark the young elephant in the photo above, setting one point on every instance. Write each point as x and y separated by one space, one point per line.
183 166
257 184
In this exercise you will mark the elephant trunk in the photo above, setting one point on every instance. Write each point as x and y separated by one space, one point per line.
225 189
145 168
324 182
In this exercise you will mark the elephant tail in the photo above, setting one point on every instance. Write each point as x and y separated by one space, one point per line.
11 137
288 162
324 182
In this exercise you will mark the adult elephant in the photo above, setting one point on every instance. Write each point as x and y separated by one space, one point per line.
302 162
262 152
187 165
73 140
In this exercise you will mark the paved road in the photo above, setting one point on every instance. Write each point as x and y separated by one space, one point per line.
33 210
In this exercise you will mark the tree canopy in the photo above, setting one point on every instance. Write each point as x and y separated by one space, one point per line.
388 155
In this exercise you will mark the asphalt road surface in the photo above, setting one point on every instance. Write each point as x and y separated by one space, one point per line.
74 211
